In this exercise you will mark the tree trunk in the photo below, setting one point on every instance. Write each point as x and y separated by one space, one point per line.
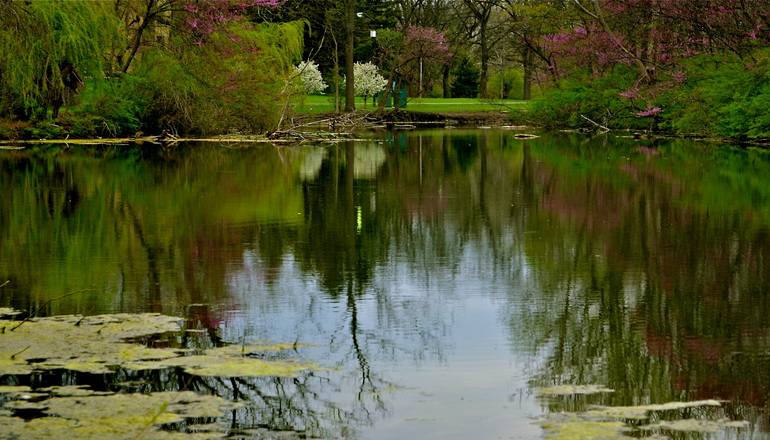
397 96
350 17
445 82
484 76
386 92
527 92
336 76
138 37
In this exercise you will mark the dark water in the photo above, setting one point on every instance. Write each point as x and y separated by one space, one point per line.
440 276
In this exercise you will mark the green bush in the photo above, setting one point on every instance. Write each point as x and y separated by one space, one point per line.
109 107
595 98
715 95
507 84
729 96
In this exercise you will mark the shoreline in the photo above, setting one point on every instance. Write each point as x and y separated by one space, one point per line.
332 128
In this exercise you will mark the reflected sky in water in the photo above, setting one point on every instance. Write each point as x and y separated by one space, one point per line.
440 276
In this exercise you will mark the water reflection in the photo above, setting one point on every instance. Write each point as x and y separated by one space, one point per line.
443 274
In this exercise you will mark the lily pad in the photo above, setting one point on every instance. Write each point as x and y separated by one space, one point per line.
622 422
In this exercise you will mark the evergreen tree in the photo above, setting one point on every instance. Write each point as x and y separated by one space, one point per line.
466 81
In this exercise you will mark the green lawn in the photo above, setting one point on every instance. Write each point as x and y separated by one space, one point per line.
325 104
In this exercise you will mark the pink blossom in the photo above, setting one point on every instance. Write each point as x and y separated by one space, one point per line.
652 111
631 93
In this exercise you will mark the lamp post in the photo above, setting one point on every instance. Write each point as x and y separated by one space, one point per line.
350 23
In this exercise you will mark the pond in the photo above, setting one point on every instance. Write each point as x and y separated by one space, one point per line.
442 283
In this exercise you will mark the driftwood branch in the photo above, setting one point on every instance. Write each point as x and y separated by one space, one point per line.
601 127
45 304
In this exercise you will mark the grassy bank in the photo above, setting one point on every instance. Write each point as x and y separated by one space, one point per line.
325 104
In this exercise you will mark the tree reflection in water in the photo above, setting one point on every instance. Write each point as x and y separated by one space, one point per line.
640 266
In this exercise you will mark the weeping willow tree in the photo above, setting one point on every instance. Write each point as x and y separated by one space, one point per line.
228 78
47 49
232 82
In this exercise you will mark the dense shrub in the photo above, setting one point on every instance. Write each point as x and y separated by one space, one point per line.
715 95
108 107
598 99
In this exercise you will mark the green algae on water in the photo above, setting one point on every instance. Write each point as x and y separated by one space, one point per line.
98 345
623 422
573 427
90 345
232 361
696 425
103 344
641 412
570 390
119 416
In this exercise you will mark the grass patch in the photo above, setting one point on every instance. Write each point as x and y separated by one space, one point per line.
325 104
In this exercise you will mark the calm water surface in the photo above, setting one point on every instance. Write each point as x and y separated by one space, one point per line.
440 277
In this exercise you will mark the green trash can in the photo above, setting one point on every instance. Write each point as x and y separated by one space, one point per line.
403 94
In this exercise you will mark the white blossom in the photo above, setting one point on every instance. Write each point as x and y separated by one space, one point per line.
311 78
368 81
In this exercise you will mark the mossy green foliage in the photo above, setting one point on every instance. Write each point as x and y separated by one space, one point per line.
46 48
722 96
234 82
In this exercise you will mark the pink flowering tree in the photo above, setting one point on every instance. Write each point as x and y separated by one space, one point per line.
199 18
401 50
202 18
654 35
654 38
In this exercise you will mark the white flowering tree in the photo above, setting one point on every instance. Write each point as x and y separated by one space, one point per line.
310 76
369 82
